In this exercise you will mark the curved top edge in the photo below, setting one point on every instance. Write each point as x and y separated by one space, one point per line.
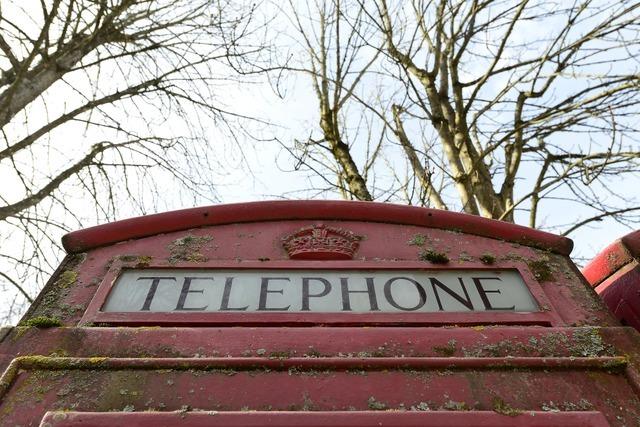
632 242
135 228
612 258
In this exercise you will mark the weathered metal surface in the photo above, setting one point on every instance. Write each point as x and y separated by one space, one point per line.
392 342
553 279
618 254
568 362
320 242
615 275
315 210
168 385
327 419
4 331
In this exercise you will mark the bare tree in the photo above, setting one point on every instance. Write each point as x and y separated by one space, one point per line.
498 106
102 102
334 58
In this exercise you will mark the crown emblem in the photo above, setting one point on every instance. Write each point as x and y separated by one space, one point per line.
320 242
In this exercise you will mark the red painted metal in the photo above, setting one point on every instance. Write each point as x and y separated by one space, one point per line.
257 245
316 342
606 263
149 225
326 419
319 242
170 384
632 243
568 364
332 363
615 275
319 319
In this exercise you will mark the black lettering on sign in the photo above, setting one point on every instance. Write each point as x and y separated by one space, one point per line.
389 296
146 306
264 292
346 303
305 290
483 293
466 301
186 290
226 294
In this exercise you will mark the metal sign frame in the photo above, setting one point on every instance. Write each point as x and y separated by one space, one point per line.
94 315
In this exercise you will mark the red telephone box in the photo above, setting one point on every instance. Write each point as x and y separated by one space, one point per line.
615 275
318 313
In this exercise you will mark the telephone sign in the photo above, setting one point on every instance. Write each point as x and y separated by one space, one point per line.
320 291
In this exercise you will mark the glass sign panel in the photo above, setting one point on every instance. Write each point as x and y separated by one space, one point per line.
319 291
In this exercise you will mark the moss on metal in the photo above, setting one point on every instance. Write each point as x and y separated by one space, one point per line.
417 240
541 270
433 256
187 248
50 302
42 322
501 407
376 405
487 258
587 342
140 261
446 350
583 342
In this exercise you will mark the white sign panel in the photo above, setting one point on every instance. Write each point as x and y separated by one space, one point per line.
319 291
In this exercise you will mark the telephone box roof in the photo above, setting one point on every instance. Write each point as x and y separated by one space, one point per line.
612 258
143 226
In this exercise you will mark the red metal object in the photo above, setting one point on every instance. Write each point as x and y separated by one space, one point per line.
320 242
615 275
327 419
241 213
568 363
